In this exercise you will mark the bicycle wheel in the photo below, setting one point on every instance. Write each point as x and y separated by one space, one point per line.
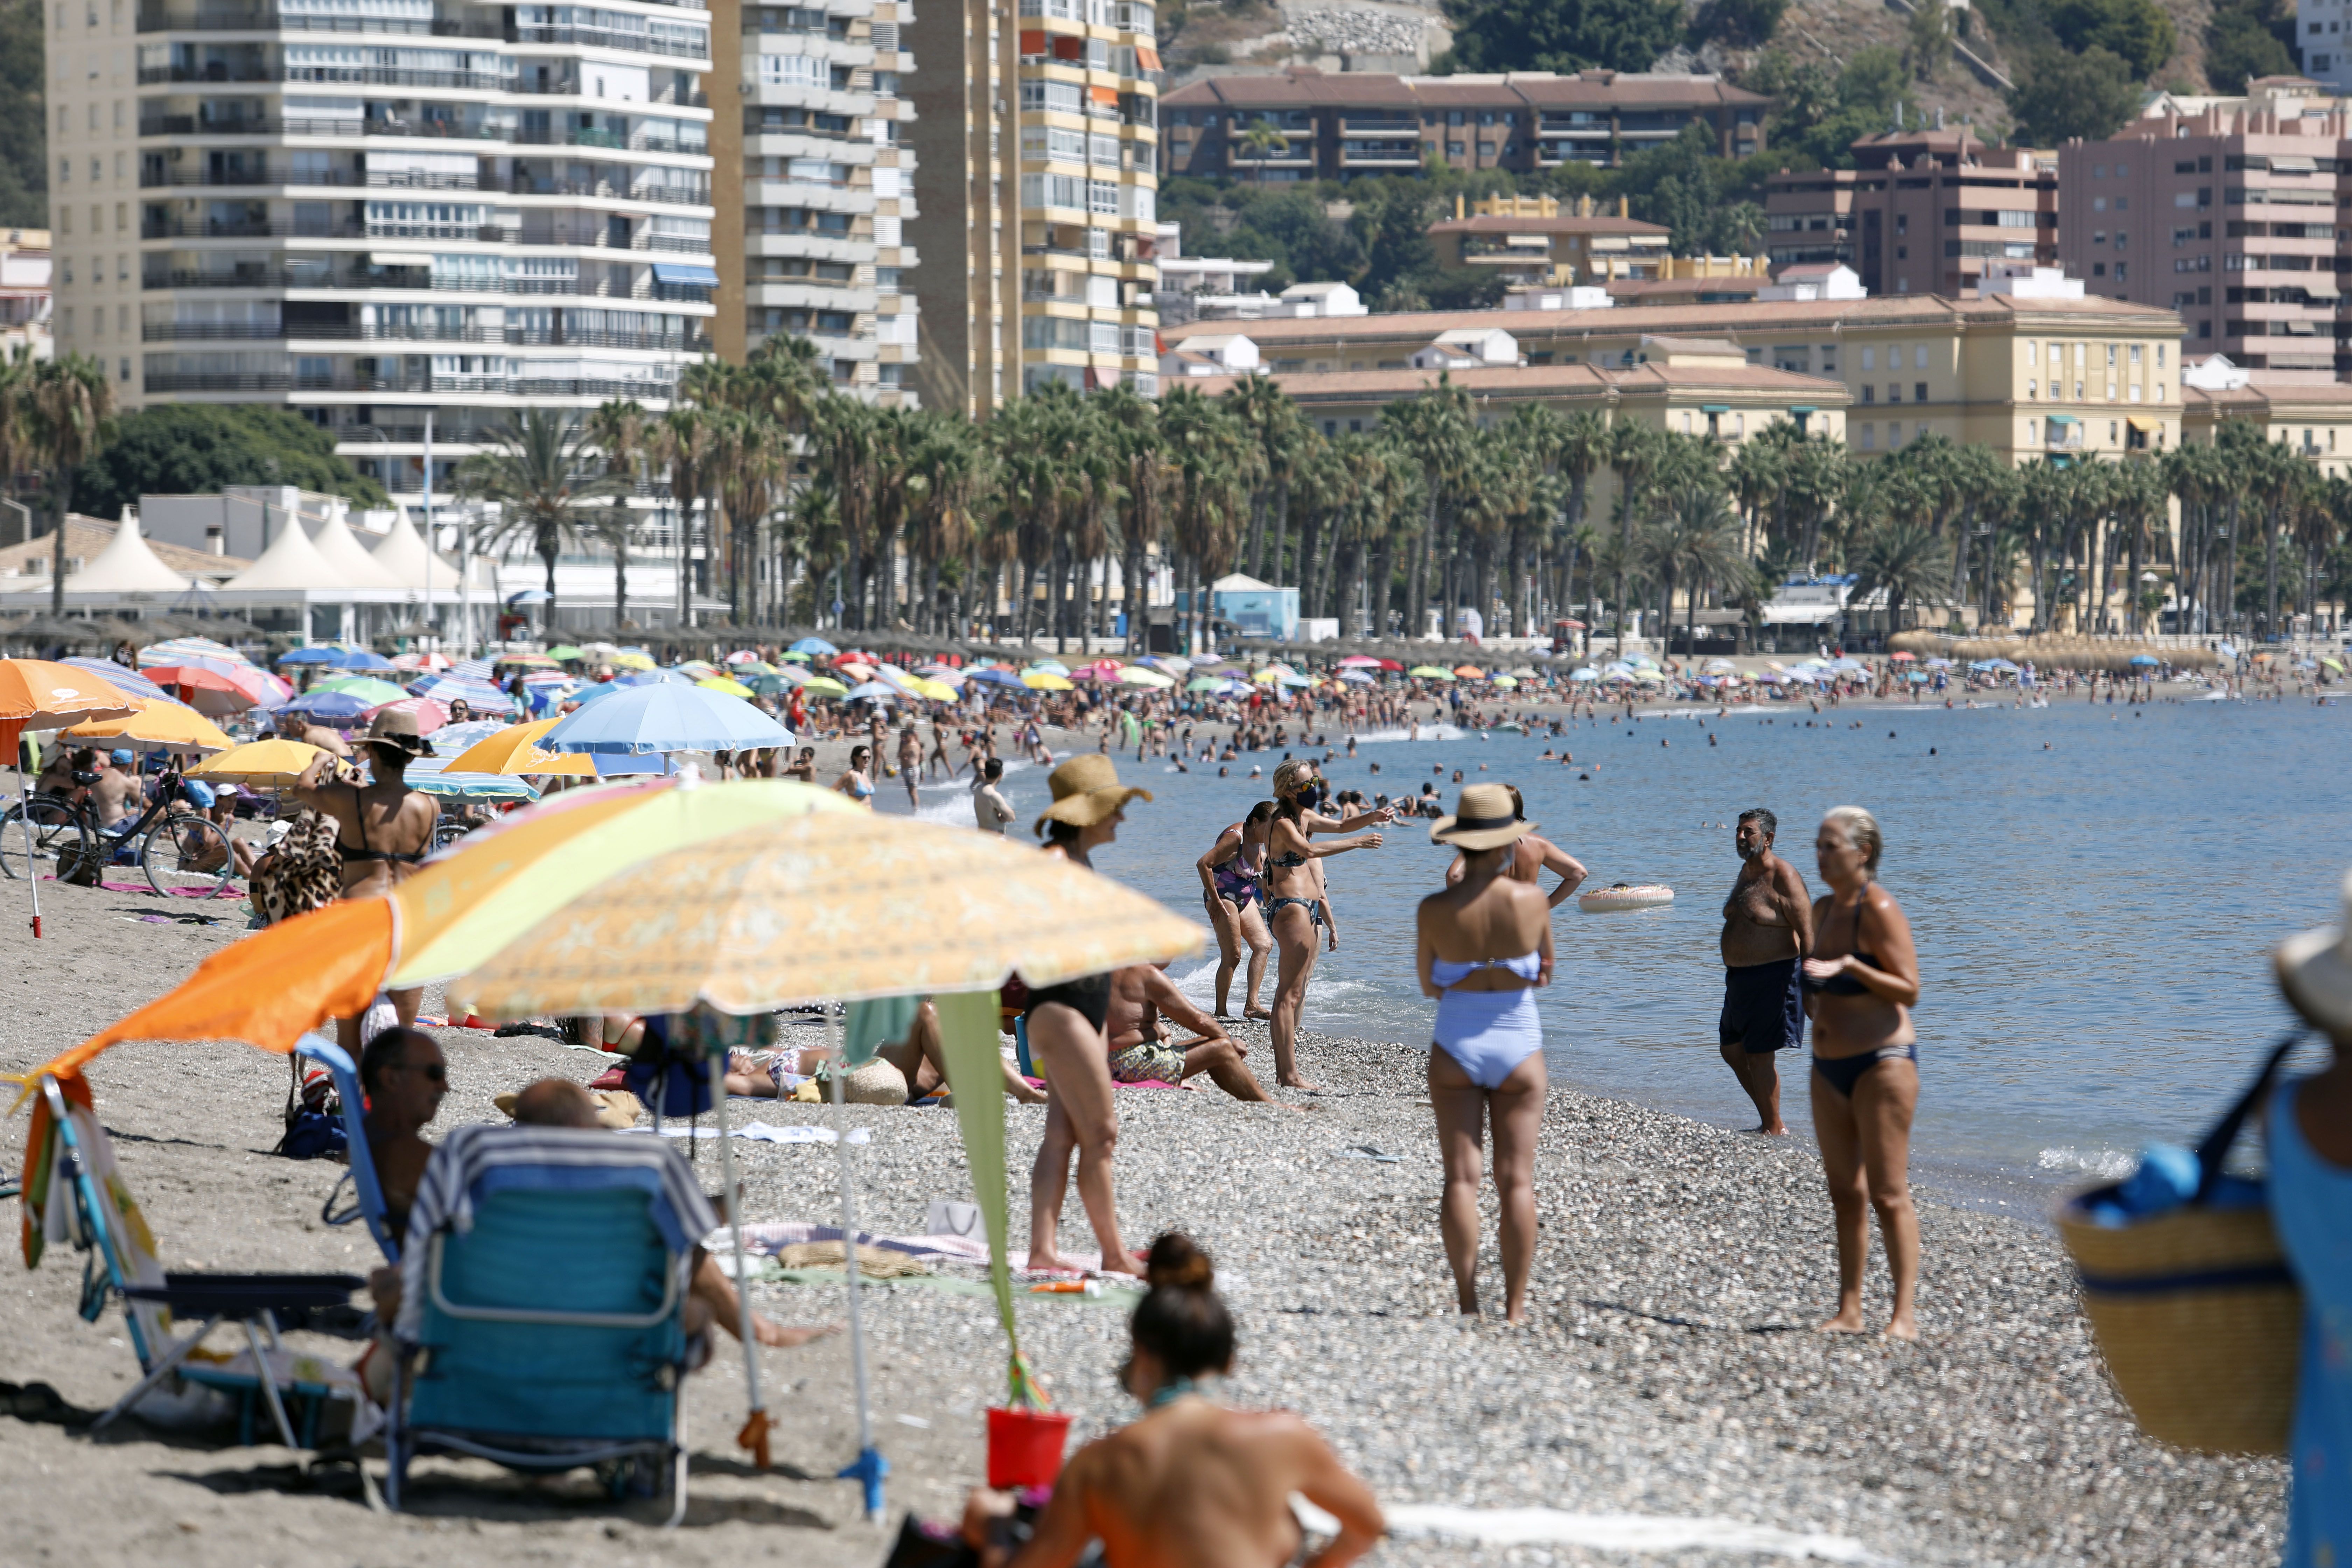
186 854
446 833
32 835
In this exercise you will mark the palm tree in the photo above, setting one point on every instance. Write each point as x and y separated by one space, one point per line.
617 431
16 428
1131 423
944 469
68 418
1902 556
679 444
1271 420
1435 428
1694 539
1262 140
544 474
1207 450
1635 452
1584 447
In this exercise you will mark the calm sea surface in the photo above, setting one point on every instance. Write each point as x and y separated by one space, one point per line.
2095 892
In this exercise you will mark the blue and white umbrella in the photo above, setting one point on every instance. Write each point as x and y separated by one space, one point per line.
335 707
480 695
996 678
815 647
131 683
469 786
641 719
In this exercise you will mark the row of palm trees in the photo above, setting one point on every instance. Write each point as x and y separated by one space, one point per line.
801 505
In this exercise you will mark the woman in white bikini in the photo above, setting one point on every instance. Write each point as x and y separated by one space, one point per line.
1232 874
1484 947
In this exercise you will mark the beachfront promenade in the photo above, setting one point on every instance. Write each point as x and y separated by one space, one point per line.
1669 1372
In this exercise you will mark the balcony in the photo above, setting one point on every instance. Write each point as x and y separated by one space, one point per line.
411 279
426 385
357 179
609 38
604 190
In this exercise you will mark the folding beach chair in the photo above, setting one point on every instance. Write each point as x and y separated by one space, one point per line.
542 1321
366 1201
97 1214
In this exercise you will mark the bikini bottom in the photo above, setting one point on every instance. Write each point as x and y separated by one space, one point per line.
1841 1073
1488 1033
1313 908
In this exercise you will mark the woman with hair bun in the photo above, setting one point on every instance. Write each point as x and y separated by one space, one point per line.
1191 1484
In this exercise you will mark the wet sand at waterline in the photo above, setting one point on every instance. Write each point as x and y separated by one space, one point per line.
1670 1369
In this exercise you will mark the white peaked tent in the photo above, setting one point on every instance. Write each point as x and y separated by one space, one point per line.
349 559
126 566
402 554
291 566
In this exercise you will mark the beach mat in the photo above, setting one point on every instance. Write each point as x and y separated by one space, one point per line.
229 893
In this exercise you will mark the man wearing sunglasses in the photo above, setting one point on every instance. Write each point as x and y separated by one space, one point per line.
404 1076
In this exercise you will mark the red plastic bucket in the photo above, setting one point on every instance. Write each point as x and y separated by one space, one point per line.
1024 1446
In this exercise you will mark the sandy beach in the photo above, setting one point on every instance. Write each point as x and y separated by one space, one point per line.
1670 1370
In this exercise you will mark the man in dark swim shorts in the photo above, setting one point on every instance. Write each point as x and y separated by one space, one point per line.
1767 931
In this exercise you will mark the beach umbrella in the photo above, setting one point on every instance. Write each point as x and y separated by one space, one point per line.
322 653
173 651
825 686
642 720
271 763
448 784
564 653
1586 673
741 656
2145 659
431 717
1430 672
722 683
992 677
1900 658
2331 664
523 661
1357 678
37 694
743 667
370 691
792 656
452 740
874 691
815 647
1360 661
1135 674
160 724
696 668
1939 664
1045 681
130 683
447 687
935 691
940 911
1206 683
366 661
1506 680
1469 672
219 686
1049 667
328 707
514 750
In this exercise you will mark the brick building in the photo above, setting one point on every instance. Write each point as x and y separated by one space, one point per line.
1332 127
1923 213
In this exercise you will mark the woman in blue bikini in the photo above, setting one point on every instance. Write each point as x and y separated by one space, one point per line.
1484 947
1861 983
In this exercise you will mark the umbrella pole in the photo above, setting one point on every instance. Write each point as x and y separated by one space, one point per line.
31 860
870 1465
755 1434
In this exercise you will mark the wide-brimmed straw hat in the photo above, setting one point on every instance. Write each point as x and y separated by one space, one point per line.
2315 970
1086 791
396 731
1483 818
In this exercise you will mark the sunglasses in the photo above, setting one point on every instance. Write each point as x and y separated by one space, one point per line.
435 1072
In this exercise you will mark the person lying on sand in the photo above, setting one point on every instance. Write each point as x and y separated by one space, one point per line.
1191 1484
1142 997
917 1055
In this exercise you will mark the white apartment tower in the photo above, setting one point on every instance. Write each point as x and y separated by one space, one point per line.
828 185
2323 33
364 210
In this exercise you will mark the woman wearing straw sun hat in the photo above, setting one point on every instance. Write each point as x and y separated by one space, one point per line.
1065 1034
2310 1145
1484 946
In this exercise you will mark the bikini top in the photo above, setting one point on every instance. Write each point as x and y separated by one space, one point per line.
1291 861
860 788
363 853
1448 972
1845 984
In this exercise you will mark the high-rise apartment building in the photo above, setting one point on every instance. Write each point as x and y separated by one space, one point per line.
807 97
1923 212
2227 216
366 210
1037 171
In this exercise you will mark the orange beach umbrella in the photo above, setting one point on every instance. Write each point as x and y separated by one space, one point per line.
36 694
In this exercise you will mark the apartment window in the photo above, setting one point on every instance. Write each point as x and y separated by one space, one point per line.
2033 352
1454 149
1894 435
2032 390
2034 433
1869 436
1869 358
1893 392
2159 356
1919 391
1870 392
1454 117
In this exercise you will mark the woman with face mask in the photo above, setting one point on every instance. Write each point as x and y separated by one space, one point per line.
1297 903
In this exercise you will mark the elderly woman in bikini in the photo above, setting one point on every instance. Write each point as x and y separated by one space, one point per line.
1232 874
1861 982
1484 946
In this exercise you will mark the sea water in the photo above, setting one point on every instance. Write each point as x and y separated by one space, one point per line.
2094 890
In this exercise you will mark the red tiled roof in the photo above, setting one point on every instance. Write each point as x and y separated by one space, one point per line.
1315 89
1545 380
1564 224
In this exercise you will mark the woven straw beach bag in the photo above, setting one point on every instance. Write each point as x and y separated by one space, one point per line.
2194 1308
2199 1321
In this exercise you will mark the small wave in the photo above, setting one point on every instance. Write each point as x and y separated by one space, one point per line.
2106 1164
1390 737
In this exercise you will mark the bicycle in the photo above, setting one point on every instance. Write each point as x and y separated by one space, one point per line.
182 852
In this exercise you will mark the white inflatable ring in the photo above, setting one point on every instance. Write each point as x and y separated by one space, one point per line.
1623 896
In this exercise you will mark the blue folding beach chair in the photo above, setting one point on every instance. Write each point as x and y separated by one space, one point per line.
542 1323
366 1201
263 1305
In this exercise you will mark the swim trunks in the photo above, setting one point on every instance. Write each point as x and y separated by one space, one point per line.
1763 1008
1148 1061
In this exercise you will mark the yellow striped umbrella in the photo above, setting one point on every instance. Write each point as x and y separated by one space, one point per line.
273 762
845 907
159 725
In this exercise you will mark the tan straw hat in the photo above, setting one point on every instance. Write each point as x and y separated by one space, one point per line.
1086 791
1483 818
2315 970
396 731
